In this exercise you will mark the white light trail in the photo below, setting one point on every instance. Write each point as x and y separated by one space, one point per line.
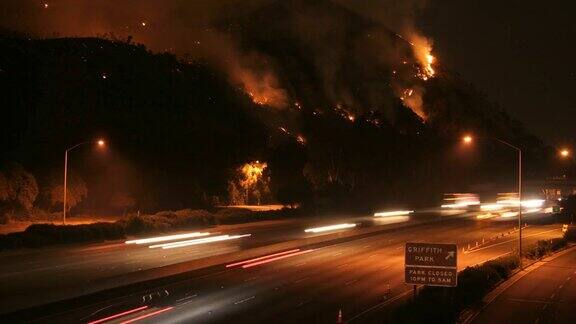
491 207
460 205
394 213
533 203
509 214
484 216
329 228
198 241
166 238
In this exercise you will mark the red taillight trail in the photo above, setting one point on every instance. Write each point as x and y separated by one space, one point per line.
102 320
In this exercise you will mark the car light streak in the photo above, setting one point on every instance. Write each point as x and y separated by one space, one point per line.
261 258
460 205
484 216
132 320
534 203
533 210
509 214
249 265
166 238
178 244
106 319
531 203
394 213
491 207
329 228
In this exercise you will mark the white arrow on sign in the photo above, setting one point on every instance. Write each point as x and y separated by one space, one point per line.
450 255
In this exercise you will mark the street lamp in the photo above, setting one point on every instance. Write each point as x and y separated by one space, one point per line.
564 153
468 139
100 143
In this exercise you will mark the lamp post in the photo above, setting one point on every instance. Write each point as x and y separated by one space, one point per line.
468 139
99 143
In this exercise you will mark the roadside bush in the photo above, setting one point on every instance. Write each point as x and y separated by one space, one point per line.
443 305
570 235
39 235
545 247
238 216
504 266
474 283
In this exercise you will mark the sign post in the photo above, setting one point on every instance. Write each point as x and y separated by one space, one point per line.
431 264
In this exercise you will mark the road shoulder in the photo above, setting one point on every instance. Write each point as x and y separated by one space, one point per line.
470 315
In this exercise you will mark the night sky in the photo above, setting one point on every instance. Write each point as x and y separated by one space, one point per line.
520 53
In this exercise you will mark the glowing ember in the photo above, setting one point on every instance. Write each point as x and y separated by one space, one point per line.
300 139
407 93
45 5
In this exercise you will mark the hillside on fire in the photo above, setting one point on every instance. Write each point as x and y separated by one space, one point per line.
350 115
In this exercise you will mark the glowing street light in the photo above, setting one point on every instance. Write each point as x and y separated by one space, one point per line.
99 143
564 153
467 139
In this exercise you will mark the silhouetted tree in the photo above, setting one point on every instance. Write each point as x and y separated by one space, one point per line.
76 191
18 189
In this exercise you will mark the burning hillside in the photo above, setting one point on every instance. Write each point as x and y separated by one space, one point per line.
327 57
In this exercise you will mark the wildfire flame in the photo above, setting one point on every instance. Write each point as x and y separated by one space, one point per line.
422 48
251 173
263 89
412 98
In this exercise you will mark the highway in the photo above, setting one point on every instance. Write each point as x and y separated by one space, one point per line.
80 269
545 295
312 284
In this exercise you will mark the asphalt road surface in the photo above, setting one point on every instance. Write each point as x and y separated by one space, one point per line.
31 277
546 295
312 285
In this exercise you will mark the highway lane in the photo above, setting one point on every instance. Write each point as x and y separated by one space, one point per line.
76 270
350 276
86 266
546 295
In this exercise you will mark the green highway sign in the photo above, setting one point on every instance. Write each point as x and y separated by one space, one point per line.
431 264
